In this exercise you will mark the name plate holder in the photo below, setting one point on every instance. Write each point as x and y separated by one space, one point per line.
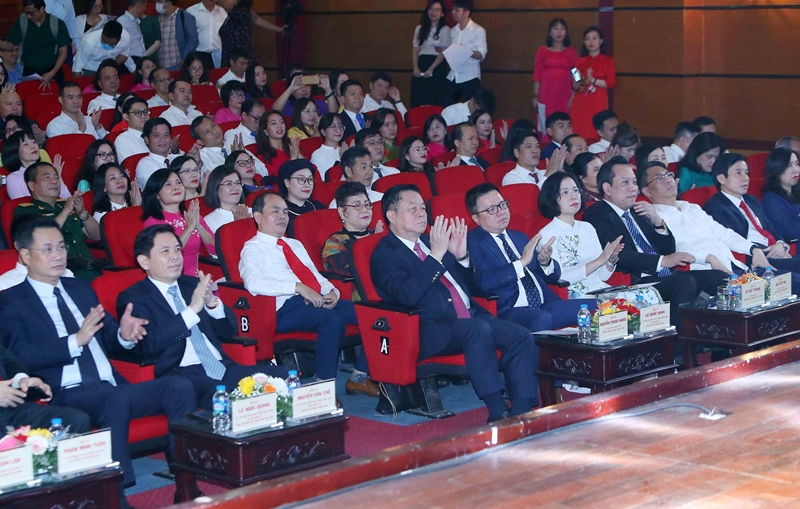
16 467
314 401
84 452
613 326
654 318
753 294
258 412
780 287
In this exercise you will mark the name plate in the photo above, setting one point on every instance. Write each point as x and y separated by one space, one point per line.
16 466
613 326
654 318
753 294
85 452
313 399
254 413
780 287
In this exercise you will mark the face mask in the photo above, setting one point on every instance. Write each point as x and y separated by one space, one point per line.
106 46
160 8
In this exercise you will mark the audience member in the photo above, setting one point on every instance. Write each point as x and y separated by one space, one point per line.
558 126
519 125
237 29
213 152
372 140
331 150
252 110
118 123
380 86
225 195
781 198
113 190
65 11
255 79
107 81
465 79
684 134
274 145
431 36
20 152
157 134
194 71
160 80
130 21
385 120
526 154
297 90
239 60
705 124
351 116
232 95
98 153
696 165
487 138
16 123
648 152
47 38
605 124
91 19
12 68
275 265
296 183
465 139
11 104
790 142
482 99
585 166
136 113
552 80
432 273
110 43
597 76
191 174
575 146
357 167
435 136
414 157
141 78
305 120
245 165
336 77
625 142
180 111
209 18
72 120
179 34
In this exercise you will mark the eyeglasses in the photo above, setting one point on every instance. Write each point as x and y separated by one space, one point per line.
231 184
48 251
12 130
168 79
189 170
303 181
256 118
237 95
360 206
373 142
105 156
140 113
567 192
492 209
661 177
419 150
244 163
336 127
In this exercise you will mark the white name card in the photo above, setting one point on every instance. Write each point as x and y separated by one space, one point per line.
313 399
753 294
653 318
254 413
781 287
613 326
85 452
16 466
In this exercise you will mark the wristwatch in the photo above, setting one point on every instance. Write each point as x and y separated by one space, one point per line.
84 216
662 226
463 257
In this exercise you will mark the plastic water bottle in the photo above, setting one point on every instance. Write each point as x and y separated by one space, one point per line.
292 381
221 404
735 293
584 324
57 429
768 275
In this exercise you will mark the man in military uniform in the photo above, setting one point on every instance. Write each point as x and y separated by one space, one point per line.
75 221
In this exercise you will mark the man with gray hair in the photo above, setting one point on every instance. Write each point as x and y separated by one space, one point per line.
790 142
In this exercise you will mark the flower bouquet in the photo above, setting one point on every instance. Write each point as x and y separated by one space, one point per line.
749 277
615 306
40 440
259 384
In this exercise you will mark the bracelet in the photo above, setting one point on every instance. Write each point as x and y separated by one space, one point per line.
463 257
85 216
329 95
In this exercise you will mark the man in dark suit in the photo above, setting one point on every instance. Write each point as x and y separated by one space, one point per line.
16 412
503 261
59 329
184 319
351 116
465 138
733 208
649 254
433 273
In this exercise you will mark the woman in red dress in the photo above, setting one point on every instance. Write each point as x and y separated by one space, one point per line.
597 76
552 79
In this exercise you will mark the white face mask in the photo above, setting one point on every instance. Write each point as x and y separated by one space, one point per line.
161 7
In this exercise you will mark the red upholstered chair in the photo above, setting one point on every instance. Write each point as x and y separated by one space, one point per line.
186 141
756 163
216 74
204 94
39 105
27 89
106 117
8 260
118 230
494 174
43 118
227 126
699 195
83 82
268 102
69 174
521 198
146 94
209 108
87 98
324 192
393 163
498 127
131 162
276 88
70 146
402 134
529 223
175 75
418 179
417 115
126 82
492 155
112 137
334 173
450 206
756 183
444 159
457 179
155 111
312 230
7 216
309 145
252 196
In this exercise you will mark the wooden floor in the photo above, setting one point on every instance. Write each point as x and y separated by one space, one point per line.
669 458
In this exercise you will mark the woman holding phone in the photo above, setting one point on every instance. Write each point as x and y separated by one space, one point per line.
597 76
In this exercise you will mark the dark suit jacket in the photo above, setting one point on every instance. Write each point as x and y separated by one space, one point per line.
728 215
547 152
29 332
400 276
186 33
495 275
609 226
481 161
349 126
166 331
10 365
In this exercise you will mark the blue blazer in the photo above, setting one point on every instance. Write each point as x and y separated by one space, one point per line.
29 332
728 215
166 331
186 35
782 214
400 276
495 275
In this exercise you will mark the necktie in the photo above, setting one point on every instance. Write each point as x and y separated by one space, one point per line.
455 298
360 120
535 177
379 172
86 365
759 229
213 368
641 242
531 292
224 153
166 162
302 272
474 161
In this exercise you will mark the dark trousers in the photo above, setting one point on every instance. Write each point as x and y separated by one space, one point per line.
478 338
39 416
433 90
58 78
205 387
784 265
329 324
683 287
460 92
552 315
114 407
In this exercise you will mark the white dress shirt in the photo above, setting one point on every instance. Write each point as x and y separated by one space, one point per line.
467 161
410 245
190 318
213 157
248 136
371 105
128 143
265 271
374 197
522 298
71 374
218 218
175 116
114 206
90 53
353 119
752 234
474 37
65 11
156 101
520 175
699 235
324 158
456 113
599 147
674 153
131 25
18 274
434 40
619 212
63 124
102 102
149 165
80 26
228 76
383 171
208 24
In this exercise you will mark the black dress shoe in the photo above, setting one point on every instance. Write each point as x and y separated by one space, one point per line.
442 382
197 493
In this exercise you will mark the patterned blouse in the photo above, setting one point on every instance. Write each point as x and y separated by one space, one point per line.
191 251
236 32
335 257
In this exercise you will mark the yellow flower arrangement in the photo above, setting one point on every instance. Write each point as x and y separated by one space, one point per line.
246 385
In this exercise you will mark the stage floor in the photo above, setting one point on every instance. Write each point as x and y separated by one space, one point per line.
667 458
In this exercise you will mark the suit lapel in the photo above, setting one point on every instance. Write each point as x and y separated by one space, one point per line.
489 243
157 297
36 305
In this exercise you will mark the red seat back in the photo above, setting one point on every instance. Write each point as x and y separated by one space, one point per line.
407 133
361 252
417 115
8 260
501 123
313 229
71 146
118 231
756 183
156 111
450 206
252 197
494 174
112 137
227 126
131 162
27 89
204 209
530 223
492 155
268 102
699 195
444 159
230 240
521 198
36 106
112 283
757 163
7 216
309 145
418 179
457 179
334 173
186 141
205 94
126 82
106 117
276 88
324 192
87 98
216 74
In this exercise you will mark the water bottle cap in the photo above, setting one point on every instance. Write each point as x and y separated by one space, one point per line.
292 372
220 387
55 420
584 306
769 268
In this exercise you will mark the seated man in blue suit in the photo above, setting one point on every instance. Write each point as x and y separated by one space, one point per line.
59 329
433 273
184 319
733 208
503 261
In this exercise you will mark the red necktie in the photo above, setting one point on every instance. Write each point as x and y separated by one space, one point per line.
302 272
461 308
535 177
759 229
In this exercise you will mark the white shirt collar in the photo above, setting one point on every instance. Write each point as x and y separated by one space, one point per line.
410 245
265 237
164 287
736 201
44 290
616 209
21 268
497 235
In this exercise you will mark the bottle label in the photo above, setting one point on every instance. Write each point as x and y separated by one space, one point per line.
220 407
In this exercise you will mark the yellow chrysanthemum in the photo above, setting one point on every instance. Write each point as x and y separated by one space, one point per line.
246 385
40 432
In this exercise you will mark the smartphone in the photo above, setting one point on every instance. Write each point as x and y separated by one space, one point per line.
310 79
576 75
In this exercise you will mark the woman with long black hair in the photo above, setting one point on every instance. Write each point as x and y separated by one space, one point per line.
430 69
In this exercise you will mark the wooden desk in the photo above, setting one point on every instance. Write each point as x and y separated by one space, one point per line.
602 366
98 489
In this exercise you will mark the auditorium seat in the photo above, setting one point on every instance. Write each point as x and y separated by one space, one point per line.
312 229
87 98
227 126
416 116
38 106
498 127
7 216
106 118
492 155
529 223
309 145
118 230
699 195
494 174
216 74
8 260
205 94
418 179
276 88
334 173
402 134
444 159
756 183
268 103
112 137
756 163
155 111
209 108
69 146
521 198
186 141
131 162
126 82
324 192
30 89
450 206
69 174
457 179
250 198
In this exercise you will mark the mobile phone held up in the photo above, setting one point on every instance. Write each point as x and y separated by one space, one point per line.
576 74
310 79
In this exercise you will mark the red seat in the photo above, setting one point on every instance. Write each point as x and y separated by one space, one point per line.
407 133
83 82
393 163
276 88
87 98
126 82
756 183
210 108
106 117
69 174
118 230
112 137
417 115
324 192
492 155
457 179
757 163
146 94
186 142
175 75
8 260
216 74
7 216
494 174
334 173
450 206
268 102
205 94
312 230
530 223
521 198
418 179
43 118
309 145
36 106
227 126
444 159
156 111
70 146
130 163
699 195
27 89
252 197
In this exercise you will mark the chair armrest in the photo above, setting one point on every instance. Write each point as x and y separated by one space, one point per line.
209 260
134 367
337 277
134 358
485 296
94 244
389 306
241 349
561 284
239 340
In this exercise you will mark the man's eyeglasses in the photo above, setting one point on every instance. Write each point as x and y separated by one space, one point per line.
168 79
244 163
492 209
231 184
304 181
105 156
140 113
358 207
661 177
256 118
48 251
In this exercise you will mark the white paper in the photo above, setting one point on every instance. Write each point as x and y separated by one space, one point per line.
254 413
566 331
457 54
32 77
542 116
84 452
16 466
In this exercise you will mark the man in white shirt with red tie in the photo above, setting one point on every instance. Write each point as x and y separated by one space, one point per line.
157 135
466 78
527 153
274 265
